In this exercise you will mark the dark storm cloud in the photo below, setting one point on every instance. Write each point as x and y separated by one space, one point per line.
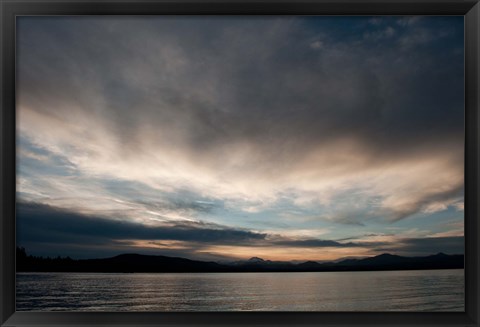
205 77
41 223
45 227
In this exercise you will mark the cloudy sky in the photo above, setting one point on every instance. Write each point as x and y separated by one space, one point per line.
287 138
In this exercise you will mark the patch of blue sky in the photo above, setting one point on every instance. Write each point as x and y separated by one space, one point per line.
438 36
431 222
33 158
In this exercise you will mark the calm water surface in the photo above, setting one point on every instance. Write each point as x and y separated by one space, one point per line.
428 290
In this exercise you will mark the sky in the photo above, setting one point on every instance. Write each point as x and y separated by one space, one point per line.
224 138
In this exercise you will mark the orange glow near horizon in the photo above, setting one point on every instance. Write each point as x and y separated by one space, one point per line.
287 253
265 252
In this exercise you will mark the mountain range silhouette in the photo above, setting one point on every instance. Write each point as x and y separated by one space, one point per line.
157 263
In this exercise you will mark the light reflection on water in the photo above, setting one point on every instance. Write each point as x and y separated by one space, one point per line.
428 290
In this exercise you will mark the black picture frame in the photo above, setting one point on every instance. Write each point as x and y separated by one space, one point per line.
9 9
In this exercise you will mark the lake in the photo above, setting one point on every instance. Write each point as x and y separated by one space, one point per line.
420 290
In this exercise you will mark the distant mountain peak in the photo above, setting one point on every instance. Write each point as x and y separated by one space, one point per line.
255 259
440 254
126 255
386 255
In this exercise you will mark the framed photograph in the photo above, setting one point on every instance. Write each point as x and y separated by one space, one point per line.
239 163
